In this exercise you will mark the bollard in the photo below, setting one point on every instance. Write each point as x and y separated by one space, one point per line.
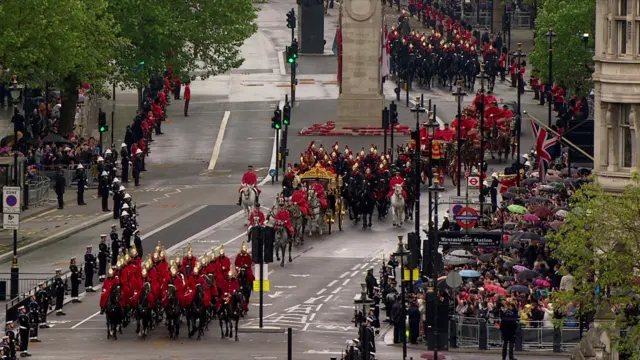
289 344
557 339
333 358
482 334
453 333
519 339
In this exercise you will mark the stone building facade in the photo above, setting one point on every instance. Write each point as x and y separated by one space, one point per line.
617 92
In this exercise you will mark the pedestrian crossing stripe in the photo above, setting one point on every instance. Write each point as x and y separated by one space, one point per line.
265 285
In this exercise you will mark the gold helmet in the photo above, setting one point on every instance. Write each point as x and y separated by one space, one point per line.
189 252
213 253
174 271
244 248
162 254
362 151
205 260
172 263
221 250
196 270
178 260
111 272
144 272
119 264
127 258
159 247
134 252
231 274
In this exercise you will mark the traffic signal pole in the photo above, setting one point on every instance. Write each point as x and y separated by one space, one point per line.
261 247
293 81
285 135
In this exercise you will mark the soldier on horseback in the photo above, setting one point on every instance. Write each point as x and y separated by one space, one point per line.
397 180
111 280
256 218
249 179
283 218
243 260
189 262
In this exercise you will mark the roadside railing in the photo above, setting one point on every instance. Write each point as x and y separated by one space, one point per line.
51 171
519 19
471 332
39 187
26 281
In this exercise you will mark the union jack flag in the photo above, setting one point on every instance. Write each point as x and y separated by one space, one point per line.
543 145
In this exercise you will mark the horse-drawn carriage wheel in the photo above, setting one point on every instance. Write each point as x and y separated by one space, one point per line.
340 213
328 219
441 176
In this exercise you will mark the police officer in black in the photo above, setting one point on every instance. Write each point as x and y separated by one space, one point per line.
124 155
118 193
115 247
34 319
76 277
59 288
81 178
137 242
61 184
24 324
103 257
89 267
103 190
43 298
137 167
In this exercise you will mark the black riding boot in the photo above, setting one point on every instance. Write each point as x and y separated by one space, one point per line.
257 199
239 199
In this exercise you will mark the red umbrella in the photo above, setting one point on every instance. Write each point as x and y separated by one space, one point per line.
542 212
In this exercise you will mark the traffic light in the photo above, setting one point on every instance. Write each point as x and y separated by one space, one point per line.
414 249
102 122
286 114
393 112
267 241
294 49
256 252
385 118
291 19
276 120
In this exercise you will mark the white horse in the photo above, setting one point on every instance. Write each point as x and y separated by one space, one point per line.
316 217
248 201
397 205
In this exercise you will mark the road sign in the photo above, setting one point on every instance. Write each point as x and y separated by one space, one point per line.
474 181
461 239
272 172
11 200
454 280
466 217
11 221
466 173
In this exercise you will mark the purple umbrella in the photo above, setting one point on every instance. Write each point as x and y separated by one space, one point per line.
530 217
519 268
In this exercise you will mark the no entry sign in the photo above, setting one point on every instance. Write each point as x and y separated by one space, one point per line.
466 217
11 200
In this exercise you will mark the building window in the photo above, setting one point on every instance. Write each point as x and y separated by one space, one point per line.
622 8
626 140
622 36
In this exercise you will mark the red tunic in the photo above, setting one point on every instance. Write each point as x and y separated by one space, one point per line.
232 286
284 218
244 259
225 263
250 178
163 98
213 268
300 198
396 180
157 111
179 285
256 213
191 262
106 290
187 93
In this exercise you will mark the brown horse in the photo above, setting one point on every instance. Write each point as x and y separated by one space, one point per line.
499 143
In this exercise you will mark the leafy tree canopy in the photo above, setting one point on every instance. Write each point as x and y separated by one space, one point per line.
600 246
572 63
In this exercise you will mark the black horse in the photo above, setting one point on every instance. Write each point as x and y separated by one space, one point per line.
173 312
230 314
245 287
491 70
364 204
196 313
380 194
410 201
115 313
143 312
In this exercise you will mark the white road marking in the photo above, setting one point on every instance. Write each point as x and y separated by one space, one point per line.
346 282
300 275
332 283
355 273
364 265
323 352
283 70
328 298
283 286
337 290
218 143
355 267
306 326
312 317
319 307
312 299
85 320
258 304
344 274
321 291
276 294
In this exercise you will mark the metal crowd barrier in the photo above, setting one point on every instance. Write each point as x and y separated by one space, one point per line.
39 190
471 332
11 308
26 281
51 171
519 19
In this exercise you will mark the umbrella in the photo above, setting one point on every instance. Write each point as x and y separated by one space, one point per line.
461 254
510 244
570 181
530 217
55 138
537 199
547 188
562 213
509 226
442 284
518 190
455 261
469 273
526 236
508 195
518 288
506 278
517 209
553 179
493 288
527 274
531 181
485 258
557 185
555 210
556 225
520 268
542 212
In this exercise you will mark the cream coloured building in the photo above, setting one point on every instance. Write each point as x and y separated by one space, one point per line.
617 92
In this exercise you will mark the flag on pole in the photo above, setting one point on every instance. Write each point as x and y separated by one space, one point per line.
385 54
543 145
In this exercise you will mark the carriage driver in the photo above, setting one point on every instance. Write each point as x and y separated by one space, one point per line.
250 178
284 218
397 180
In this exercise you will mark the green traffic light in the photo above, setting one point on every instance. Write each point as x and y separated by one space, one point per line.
277 126
285 121
102 129
141 62
290 60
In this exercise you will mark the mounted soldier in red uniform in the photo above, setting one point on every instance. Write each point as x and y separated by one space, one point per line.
249 178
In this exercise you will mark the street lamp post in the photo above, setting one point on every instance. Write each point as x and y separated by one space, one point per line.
435 190
550 34
15 91
518 55
402 254
418 109
482 74
585 40
459 95
364 300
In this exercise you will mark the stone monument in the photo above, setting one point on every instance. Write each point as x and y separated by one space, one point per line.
360 101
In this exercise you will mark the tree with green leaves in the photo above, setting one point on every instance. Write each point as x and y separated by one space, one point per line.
200 37
599 244
572 60
62 43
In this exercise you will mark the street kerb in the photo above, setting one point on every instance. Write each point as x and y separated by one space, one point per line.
262 330
63 234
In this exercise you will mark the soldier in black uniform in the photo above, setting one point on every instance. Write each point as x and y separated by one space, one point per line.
59 288
115 248
124 154
137 242
137 167
23 322
103 257
81 178
61 183
34 320
103 190
126 229
118 194
76 277
43 298
89 267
